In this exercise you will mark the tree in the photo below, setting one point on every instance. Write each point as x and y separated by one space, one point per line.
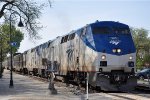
28 11
147 59
17 36
142 43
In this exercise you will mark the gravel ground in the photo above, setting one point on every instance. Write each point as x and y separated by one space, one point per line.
28 88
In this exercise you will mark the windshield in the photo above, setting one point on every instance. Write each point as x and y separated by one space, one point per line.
121 30
144 70
101 30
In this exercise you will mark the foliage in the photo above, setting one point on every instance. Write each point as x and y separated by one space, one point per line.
17 36
142 43
147 60
139 62
28 11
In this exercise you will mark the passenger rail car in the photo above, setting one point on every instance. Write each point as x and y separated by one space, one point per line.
18 62
103 49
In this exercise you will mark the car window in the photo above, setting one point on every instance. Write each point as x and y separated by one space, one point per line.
149 70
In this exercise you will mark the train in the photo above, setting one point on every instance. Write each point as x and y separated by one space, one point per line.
104 50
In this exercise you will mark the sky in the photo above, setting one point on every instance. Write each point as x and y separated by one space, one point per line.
68 15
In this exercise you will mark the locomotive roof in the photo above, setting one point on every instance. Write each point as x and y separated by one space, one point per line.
108 23
97 23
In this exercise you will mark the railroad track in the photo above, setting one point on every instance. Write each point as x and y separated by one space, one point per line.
74 88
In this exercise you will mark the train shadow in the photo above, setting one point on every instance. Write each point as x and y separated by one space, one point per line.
141 90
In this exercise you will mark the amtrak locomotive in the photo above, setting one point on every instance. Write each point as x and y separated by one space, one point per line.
103 49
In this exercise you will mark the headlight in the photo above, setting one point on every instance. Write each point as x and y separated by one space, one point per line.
130 57
118 50
103 57
114 50
100 69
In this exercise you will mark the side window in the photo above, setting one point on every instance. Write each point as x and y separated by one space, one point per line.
32 50
25 52
64 39
49 44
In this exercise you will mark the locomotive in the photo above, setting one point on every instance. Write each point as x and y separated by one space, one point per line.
103 49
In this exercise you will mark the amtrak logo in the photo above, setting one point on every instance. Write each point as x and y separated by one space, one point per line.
114 40
70 54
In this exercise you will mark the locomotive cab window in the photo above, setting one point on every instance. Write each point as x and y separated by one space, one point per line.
121 30
101 30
